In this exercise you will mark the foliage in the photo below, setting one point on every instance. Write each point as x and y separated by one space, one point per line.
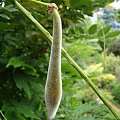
82 5
22 70
24 60
114 47
116 92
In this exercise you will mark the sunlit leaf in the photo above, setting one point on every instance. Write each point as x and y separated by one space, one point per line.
5 16
10 8
92 29
113 34
15 62
103 31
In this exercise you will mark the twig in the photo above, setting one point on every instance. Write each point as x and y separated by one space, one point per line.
3 115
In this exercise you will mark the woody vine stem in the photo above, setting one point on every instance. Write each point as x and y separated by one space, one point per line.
66 55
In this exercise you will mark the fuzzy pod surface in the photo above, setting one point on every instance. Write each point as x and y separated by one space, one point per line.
53 87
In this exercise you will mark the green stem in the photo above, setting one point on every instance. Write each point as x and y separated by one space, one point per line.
70 60
37 24
3 115
91 84
104 46
39 2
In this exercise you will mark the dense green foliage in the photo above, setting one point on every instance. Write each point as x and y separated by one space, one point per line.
24 57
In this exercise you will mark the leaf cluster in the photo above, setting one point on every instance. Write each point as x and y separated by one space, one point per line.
22 70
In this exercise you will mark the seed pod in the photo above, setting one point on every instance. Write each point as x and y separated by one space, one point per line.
53 88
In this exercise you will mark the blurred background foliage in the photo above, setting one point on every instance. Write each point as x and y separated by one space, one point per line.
24 58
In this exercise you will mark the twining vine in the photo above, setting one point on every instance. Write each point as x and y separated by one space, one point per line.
66 55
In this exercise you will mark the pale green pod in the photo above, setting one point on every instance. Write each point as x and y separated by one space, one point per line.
53 88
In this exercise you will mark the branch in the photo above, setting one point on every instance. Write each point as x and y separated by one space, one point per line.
3 115
39 2
70 60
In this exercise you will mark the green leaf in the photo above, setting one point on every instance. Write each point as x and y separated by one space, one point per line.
30 70
4 16
103 31
10 8
81 30
113 34
22 83
92 29
8 110
15 62
68 69
25 110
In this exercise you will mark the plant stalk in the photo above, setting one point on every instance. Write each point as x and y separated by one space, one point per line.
39 2
104 45
3 115
70 60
